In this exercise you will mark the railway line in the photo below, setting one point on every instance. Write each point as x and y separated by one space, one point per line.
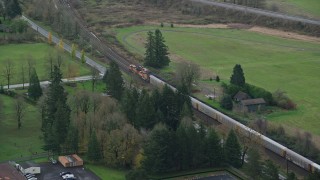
268 143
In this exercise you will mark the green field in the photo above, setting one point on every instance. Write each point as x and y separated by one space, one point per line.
269 62
16 143
39 52
106 173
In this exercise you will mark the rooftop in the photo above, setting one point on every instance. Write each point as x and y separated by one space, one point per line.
8 172
253 101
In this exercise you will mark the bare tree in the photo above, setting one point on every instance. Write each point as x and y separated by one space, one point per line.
8 71
95 76
20 108
96 101
23 72
187 74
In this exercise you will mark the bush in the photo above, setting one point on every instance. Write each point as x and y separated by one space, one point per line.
283 101
258 92
226 102
136 175
218 79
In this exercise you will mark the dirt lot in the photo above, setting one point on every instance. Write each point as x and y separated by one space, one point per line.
51 171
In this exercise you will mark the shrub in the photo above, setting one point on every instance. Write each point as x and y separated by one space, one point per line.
218 79
282 100
226 102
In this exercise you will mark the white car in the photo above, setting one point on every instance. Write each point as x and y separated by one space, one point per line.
68 176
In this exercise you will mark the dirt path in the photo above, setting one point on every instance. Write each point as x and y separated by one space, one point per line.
258 29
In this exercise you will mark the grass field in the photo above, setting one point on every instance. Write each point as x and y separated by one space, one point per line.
106 173
39 52
269 62
16 142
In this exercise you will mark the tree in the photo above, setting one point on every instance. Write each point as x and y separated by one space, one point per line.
114 81
226 102
12 8
20 109
34 90
161 50
2 11
217 78
314 176
8 71
23 74
61 44
61 122
73 52
94 76
145 112
149 59
136 174
187 74
31 64
237 77
94 152
292 176
254 165
232 150
83 59
49 38
270 171
213 148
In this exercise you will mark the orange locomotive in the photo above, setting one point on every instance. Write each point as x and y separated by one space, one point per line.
141 71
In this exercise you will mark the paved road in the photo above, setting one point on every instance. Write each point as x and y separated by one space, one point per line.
258 11
66 47
44 83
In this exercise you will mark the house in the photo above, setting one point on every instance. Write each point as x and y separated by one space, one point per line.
253 105
8 171
70 160
241 96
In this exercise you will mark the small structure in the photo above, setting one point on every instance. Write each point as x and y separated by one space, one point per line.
32 170
253 105
241 96
70 160
8 171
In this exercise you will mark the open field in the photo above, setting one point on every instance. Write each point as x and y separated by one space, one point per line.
16 142
39 53
268 61
106 173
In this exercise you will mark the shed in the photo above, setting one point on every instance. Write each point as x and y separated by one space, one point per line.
9 172
70 160
253 105
241 96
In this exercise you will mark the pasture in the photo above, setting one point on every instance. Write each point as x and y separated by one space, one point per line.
16 143
268 61
39 53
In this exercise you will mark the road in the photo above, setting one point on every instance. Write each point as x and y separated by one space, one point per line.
66 47
258 11
45 83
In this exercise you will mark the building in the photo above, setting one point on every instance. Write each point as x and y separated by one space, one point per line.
241 96
70 160
253 105
8 172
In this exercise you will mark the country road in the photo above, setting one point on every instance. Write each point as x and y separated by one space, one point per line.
257 11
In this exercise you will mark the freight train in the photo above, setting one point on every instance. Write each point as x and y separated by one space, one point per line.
226 120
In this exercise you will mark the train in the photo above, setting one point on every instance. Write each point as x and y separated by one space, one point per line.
230 122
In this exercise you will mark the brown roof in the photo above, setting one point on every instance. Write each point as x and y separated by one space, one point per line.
253 101
8 172
241 95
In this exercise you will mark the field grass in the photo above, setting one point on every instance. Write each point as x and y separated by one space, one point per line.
269 62
39 52
16 142
106 173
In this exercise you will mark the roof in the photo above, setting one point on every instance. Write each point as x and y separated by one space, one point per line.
241 95
253 101
8 172
69 158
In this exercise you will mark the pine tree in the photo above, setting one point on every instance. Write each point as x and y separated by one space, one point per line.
72 141
232 150
149 59
94 152
161 50
237 77
271 172
114 81
145 112
254 165
12 8
213 148
34 89
129 104
61 122
226 102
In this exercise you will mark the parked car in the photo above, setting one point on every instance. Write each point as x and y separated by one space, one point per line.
68 176
53 161
64 173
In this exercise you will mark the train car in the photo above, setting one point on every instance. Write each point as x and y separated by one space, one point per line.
141 71
300 160
274 146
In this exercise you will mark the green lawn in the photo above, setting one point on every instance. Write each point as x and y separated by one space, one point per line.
106 173
16 142
269 62
39 52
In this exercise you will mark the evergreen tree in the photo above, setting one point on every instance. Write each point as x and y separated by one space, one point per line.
159 150
292 176
129 103
226 102
72 141
61 122
169 108
270 171
114 81
34 89
145 112
161 50
94 152
237 77
12 8
82 58
254 165
213 149
232 150
149 59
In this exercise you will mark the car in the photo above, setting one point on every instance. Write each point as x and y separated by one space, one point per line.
68 176
53 161
30 176
64 173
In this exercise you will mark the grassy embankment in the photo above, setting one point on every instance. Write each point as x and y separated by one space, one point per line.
39 52
269 62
